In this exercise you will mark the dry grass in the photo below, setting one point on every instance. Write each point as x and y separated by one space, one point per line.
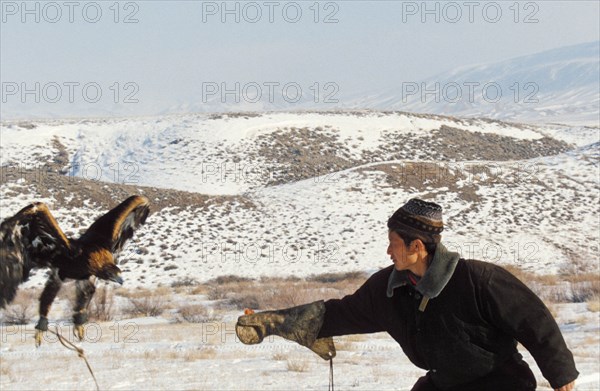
584 288
184 282
143 292
347 342
297 365
275 292
188 355
199 290
199 354
195 313
102 306
279 357
23 307
593 304
152 305
568 288
5 372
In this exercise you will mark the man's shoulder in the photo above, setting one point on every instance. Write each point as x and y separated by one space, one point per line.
476 268
479 269
474 264
381 277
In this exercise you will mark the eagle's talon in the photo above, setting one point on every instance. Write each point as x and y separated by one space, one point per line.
38 337
78 331
40 327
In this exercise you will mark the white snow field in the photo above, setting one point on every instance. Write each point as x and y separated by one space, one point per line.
153 354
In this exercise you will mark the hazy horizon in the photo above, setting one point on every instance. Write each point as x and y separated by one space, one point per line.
147 57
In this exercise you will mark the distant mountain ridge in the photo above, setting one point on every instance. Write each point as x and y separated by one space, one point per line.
555 86
558 85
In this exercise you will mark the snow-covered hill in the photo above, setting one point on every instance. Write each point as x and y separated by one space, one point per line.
560 85
303 193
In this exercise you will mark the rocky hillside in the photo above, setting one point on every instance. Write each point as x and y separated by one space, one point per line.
303 193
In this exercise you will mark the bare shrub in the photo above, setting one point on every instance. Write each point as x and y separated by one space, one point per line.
229 279
199 290
216 293
195 313
22 309
328 278
584 291
219 288
67 292
276 292
185 281
102 305
556 294
297 365
241 301
138 293
283 297
572 288
151 305
132 293
593 304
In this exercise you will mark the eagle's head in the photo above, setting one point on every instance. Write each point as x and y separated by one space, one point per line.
111 273
102 265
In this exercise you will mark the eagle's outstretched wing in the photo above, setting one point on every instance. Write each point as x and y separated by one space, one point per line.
112 230
29 239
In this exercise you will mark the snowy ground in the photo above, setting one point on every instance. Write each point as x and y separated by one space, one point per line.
152 353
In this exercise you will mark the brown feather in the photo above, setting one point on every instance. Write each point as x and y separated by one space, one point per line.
135 201
41 208
99 259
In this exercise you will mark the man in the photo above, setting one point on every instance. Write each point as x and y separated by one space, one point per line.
458 319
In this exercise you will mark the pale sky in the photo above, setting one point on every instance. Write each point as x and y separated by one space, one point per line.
173 47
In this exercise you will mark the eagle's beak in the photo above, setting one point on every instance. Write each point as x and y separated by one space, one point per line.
117 278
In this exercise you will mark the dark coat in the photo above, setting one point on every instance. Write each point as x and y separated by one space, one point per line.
469 328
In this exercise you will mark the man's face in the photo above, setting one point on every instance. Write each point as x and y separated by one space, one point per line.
400 254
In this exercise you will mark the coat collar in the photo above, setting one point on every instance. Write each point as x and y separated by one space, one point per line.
435 278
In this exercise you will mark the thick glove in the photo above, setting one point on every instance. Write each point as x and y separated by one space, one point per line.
299 324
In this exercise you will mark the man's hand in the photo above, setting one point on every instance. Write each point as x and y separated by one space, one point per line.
567 387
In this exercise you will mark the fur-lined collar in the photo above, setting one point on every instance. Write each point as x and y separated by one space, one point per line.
435 278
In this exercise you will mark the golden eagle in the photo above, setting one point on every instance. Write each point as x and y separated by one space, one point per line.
32 239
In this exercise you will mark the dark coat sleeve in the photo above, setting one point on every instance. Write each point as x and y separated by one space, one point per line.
358 313
514 308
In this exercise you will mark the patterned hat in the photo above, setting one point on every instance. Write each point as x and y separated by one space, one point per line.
419 219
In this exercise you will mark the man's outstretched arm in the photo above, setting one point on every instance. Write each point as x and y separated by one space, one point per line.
358 313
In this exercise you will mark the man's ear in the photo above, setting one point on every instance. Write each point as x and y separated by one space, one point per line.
416 246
